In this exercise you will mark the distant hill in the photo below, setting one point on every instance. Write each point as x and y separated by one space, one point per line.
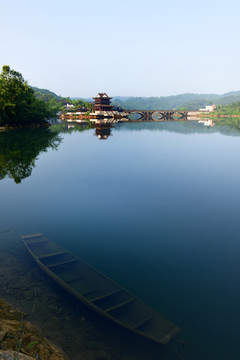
188 101
45 92
57 102
232 93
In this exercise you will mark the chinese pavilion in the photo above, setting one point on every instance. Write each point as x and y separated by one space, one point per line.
102 102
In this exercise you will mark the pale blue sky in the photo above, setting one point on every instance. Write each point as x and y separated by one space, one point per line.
127 47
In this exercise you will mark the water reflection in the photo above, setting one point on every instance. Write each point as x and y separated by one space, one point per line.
207 122
190 253
103 130
226 126
19 150
69 127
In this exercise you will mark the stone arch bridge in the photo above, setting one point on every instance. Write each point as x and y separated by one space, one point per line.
158 115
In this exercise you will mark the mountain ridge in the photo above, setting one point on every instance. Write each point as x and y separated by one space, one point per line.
187 101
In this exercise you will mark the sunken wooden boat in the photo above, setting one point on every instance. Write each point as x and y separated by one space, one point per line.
97 291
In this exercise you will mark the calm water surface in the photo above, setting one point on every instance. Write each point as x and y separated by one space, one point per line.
155 206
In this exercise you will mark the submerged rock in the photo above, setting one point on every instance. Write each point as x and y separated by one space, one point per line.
19 340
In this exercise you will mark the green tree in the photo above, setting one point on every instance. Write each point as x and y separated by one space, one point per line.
18 104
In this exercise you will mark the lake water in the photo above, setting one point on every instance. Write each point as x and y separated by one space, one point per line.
156 206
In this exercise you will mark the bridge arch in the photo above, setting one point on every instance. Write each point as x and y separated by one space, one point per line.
133 115
157 115
177 115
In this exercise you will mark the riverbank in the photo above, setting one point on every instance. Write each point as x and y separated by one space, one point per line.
18 336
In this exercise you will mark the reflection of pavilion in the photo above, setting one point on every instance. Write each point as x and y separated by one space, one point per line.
103 130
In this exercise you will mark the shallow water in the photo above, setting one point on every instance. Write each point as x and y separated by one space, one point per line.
155 206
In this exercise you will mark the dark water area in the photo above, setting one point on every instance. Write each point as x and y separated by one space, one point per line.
155 206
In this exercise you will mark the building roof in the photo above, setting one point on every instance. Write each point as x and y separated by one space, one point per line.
102 95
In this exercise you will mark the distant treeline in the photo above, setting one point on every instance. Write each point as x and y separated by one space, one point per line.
178 102
57 102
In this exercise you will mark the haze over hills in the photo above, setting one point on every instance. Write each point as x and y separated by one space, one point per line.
187 101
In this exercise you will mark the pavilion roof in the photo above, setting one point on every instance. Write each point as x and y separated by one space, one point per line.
102 95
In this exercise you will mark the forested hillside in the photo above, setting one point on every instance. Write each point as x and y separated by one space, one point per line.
183 101
231 109
57 102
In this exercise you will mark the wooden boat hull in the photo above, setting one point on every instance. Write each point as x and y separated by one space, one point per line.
98 291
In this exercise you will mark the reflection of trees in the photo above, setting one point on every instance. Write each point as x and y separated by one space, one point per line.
226 127
65 127
20 148
233 123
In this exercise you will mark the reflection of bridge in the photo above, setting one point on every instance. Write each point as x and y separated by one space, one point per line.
158 115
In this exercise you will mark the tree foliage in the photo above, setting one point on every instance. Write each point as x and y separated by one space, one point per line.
232 109
18 104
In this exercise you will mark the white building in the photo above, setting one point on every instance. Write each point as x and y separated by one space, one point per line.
208 108
68 106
